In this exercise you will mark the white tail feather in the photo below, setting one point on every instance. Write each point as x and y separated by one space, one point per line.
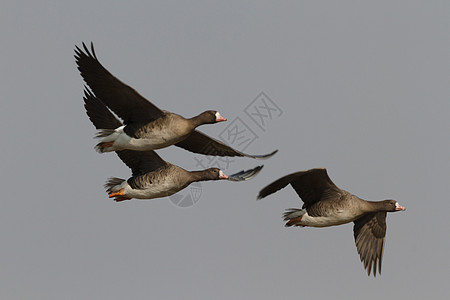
113 184
293 213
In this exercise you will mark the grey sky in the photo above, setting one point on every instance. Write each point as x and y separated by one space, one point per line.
364 90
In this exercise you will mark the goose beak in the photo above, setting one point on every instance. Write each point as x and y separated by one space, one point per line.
222 175
219 118
399 207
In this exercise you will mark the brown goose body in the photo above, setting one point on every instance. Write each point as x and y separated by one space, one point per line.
152 177
327 205
146 127
161 182
167 130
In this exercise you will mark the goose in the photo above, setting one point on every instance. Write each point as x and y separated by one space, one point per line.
146 127
327 205
152 177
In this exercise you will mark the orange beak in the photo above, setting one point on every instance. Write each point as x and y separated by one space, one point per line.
399 207
219 118
222 175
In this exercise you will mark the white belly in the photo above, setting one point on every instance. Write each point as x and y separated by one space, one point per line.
155 140
336 218
151 143
153 191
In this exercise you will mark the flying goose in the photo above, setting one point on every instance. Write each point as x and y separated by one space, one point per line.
327 205
152 177
146 127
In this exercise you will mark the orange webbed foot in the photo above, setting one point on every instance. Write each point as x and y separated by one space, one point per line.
116 194
295 222
107 144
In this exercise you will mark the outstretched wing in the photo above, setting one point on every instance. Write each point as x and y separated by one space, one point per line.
98 113
199 142
141 162
245 175
119 97
311 186
369 232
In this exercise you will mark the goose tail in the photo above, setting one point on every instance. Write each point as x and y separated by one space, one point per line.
293 216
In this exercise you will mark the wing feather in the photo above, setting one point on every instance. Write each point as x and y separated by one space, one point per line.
119 97
311 186
198 142
369 232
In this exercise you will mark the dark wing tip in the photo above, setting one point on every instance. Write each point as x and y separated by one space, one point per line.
369 232
93 51
79 53
277 185
264 156
245 174
261 194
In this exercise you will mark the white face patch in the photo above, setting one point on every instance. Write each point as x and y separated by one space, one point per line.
399 207
222 175
219 117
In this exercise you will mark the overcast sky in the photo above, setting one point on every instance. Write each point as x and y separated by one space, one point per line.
359 87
